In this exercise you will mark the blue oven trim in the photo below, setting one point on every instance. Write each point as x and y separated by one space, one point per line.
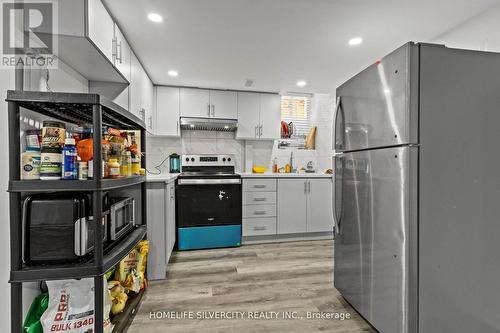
210 237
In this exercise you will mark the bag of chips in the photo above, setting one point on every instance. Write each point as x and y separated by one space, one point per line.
130 271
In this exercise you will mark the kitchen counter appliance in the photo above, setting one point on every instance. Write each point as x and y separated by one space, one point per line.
208 205
416 191
58 228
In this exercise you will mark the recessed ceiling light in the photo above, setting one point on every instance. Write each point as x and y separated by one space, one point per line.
155 17
173 73
226 127
301 83
355 41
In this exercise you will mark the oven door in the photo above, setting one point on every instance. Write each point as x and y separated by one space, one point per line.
208 201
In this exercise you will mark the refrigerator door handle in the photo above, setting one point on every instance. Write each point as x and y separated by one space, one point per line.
335 113
336 222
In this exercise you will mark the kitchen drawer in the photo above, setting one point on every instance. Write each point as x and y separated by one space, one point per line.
259 185
259 211
259 226
259 198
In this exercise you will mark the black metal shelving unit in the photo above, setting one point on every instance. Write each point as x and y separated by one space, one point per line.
75 108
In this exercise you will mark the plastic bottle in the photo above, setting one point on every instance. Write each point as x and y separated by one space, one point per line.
83 170
275 165
69 167
126 164
113 168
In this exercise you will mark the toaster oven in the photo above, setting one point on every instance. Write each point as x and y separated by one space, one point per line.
59 228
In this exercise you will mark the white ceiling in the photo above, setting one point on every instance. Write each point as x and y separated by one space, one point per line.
220 43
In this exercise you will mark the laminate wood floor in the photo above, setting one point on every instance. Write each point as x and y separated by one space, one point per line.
283 278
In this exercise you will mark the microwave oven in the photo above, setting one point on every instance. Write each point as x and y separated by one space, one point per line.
59 228
121 217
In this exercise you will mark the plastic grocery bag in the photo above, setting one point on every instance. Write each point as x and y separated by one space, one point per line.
32 321
71 307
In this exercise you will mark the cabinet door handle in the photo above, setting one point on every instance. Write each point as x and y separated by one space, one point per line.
309 186
259 186
213 110
150 122
208 109
113 49
305 186
260 131
256 133
259 212
259 228
259 199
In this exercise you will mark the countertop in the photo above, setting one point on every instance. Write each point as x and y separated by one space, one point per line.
284 175
168 177
163 177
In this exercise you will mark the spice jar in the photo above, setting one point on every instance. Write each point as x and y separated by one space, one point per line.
113 168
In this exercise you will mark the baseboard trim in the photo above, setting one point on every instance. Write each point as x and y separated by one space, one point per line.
287 237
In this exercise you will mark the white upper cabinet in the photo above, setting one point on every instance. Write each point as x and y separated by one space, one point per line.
248 115
195 103
100 27
167 111
147 101
270 116
259 116
203 103
121 53
223 104
136 87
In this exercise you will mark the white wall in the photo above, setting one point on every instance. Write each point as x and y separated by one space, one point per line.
481 32
6 83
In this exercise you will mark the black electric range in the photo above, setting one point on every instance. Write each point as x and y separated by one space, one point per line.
209 208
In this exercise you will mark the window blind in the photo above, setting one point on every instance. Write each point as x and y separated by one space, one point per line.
297 109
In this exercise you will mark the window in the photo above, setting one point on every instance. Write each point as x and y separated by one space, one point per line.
297 110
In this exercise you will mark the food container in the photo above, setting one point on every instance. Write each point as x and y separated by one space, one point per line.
33 138
113 168
51 159
53 134
30 163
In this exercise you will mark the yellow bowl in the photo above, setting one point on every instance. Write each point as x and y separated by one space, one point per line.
259 169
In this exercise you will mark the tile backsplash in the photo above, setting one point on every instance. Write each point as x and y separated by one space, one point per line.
193 142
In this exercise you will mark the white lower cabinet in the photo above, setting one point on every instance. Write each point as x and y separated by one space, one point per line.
259 207
259 226
319 205
161 227
292 206
304 205
170 234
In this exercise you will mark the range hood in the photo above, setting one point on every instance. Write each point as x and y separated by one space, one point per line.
209 124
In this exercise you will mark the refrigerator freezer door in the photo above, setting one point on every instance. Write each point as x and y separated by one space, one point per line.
374 246
375 106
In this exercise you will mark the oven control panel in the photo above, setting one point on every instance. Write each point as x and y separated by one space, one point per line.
208 160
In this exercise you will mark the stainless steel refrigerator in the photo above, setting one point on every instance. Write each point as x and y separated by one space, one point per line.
417 191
